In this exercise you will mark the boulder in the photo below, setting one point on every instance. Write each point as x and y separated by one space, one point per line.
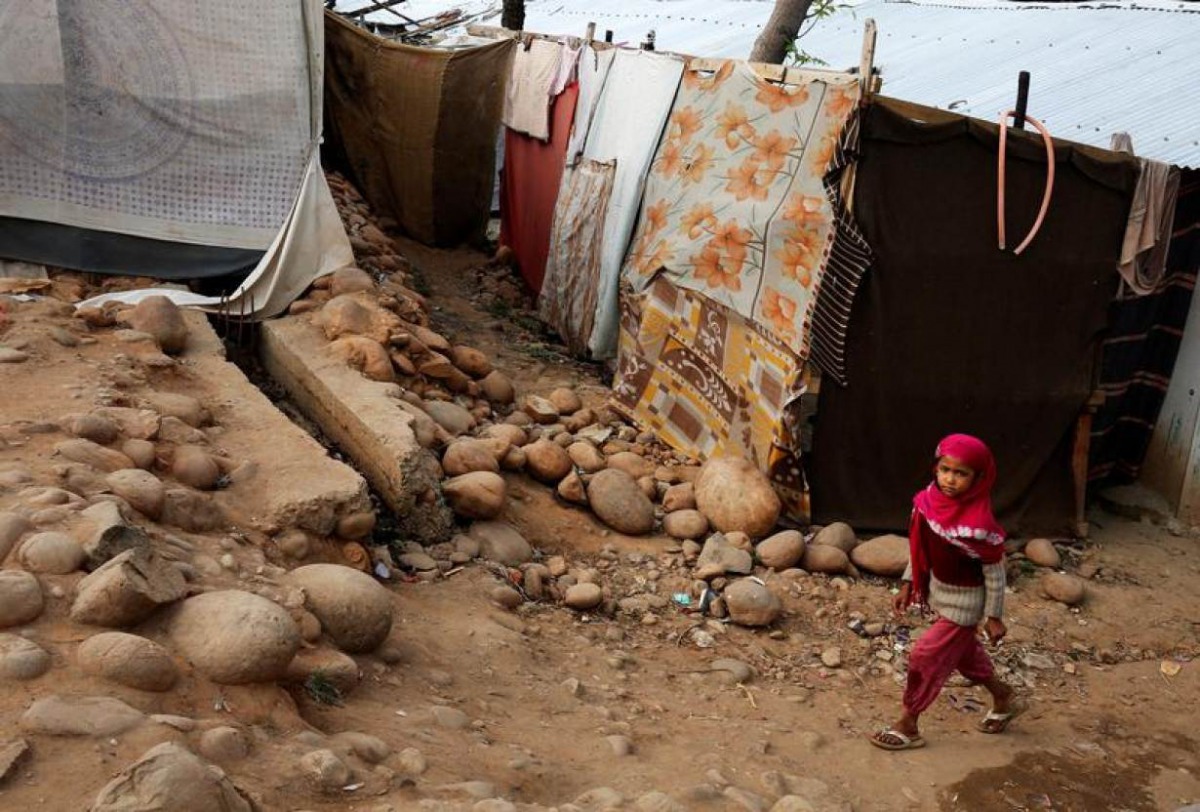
12 527
583 596
224 744
751 604
195 467
735 495
127 589
1063 588
357 525
513 435
56 715
679 497
719 557
546 461
161 318
95 426
686 524
191 511
471 361
370 749
22 659
450 416
501 543
634 465
366 355
825 558
467 456
139 424
350 280
477 495
497 388
354 609
540 409
587 457
514 460
128 659
141 489
170 777
52 553
839 535
1043 553
781 551
21 598
616 498
234 637
338 669
883 555
108 541
86 452
565 400
572 489
324 771
181 407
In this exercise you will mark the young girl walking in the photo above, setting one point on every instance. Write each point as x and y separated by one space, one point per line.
956 568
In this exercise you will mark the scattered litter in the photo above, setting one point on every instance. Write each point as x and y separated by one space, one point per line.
682 598
401 713
707 599
382 571
1170 668
352 787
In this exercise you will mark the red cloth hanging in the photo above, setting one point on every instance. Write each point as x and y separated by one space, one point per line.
529 188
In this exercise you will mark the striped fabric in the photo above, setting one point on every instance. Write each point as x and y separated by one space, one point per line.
968 605
849 258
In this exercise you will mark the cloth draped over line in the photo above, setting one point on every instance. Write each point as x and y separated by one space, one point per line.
735 205
630 114
1151 218
531 87
1141 350
707 380
416 128
529 189
568 297
950 332
592 71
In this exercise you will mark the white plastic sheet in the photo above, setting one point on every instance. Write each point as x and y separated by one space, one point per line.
630 115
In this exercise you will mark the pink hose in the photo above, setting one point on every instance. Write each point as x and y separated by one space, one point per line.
1049 144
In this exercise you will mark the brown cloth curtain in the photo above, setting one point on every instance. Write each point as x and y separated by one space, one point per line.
950 334
416 128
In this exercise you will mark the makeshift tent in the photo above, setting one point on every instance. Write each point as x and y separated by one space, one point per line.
949 333
529 188
178 141
416 128
1140 353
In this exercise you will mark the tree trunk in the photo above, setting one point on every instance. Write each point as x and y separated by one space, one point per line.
513 17
780 31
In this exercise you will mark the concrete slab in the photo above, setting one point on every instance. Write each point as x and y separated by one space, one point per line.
366 421
297 483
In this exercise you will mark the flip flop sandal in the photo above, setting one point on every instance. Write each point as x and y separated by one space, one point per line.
903 741
995 723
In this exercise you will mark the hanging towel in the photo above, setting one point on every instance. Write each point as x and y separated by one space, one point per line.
1148 232
568 59
593 70
527 99
735 205
629 118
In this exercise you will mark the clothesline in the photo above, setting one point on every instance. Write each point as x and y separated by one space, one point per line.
772 73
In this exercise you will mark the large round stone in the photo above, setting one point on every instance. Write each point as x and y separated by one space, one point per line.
781 551
501 543
235 637
735 495
128 659
22 659
751 604
686 524
169 776
20 598
826 559
1043 553
468 456
12 527
620 503
1064 588
884 555
476 495
161 318
141 489
546 461
51 552
839 535
354 609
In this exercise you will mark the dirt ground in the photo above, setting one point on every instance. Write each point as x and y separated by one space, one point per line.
558 704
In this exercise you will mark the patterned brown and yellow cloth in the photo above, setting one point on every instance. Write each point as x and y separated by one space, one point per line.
708 381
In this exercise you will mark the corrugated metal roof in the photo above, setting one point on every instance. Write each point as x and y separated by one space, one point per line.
1096 67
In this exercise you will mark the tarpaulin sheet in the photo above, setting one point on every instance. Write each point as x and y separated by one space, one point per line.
529 188
177 120
950 334
629 118
417 128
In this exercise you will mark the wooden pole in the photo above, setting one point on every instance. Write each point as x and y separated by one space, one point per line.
1022 99
591 32
866 62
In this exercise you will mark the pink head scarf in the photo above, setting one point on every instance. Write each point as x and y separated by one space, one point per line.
966 521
